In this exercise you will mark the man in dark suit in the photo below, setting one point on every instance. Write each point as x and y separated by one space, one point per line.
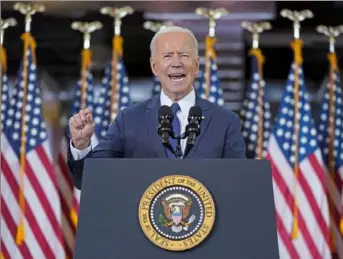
133 134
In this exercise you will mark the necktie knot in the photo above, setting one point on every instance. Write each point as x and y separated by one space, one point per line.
175 108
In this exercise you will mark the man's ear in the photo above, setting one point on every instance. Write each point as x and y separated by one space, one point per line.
153 66
198 64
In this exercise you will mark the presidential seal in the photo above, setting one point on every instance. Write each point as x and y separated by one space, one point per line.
176 212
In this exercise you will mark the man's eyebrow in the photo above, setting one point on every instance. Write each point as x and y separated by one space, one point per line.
179 52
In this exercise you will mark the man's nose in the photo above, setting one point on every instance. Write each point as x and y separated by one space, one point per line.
176 61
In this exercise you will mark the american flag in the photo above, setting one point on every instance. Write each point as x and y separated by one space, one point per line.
210 89
305 186
156 88
253 125
330 135
111 101
40 212
70 196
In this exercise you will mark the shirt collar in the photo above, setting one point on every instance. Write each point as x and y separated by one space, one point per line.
185 103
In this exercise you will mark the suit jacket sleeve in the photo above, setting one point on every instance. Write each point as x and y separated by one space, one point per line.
112 146
234 142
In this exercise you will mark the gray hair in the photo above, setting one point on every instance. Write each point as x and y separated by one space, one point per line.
167 29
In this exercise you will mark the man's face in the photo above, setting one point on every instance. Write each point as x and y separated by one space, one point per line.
175 63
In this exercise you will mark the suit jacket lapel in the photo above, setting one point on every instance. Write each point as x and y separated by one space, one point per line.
152 126
206 109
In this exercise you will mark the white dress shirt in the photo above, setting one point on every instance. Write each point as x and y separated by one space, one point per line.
185 104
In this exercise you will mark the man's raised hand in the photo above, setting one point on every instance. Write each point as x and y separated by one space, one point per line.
81 127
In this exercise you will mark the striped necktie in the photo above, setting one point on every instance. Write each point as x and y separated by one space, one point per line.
176 128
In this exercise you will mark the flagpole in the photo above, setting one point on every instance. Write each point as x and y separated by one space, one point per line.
332 33
210 40
4 24
117 50
28 10
87 29
296 17
256 29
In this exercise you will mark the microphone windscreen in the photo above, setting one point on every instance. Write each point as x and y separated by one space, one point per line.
195 111
165 110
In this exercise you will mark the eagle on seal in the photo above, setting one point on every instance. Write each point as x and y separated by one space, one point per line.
176 209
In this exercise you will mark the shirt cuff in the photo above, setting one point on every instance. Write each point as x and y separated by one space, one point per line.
79 154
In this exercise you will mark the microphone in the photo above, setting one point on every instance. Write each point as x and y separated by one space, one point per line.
165 128
193 127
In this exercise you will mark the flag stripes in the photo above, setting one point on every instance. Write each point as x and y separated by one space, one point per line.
66 187
313 241
30 173
330 129
299 176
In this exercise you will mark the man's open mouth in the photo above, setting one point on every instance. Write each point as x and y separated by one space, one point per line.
177 77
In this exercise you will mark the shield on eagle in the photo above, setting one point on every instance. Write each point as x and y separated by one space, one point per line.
176 209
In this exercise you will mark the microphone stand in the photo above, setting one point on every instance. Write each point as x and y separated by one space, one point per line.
178 151
165 140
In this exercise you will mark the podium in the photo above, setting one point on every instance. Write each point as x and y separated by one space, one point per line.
115 192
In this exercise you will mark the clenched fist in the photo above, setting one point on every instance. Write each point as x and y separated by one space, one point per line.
81 127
